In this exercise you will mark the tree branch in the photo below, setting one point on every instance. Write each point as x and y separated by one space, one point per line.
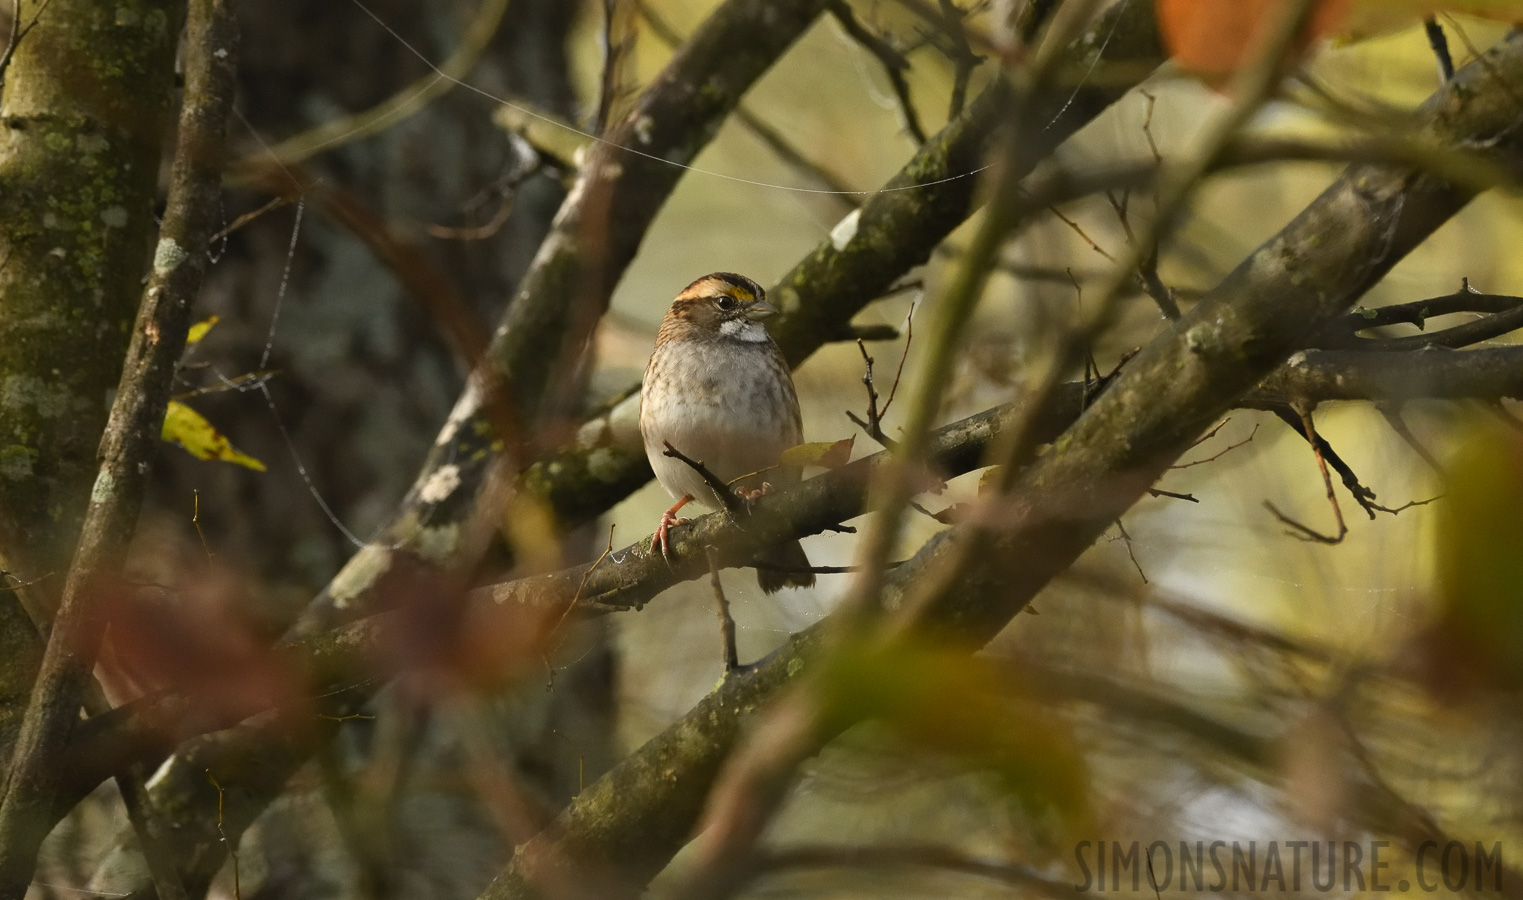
871 249
129 443
459 490
1312 270
332 661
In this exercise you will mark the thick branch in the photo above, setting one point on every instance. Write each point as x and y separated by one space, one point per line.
872 248
618 192
641 812
130 440
143 731
596 233
80 147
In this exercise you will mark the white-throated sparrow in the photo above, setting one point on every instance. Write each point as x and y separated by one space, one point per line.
717 388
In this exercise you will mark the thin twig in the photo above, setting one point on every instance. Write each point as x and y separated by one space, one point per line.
64 681
582 585
1440 45
1393 417
775 139
613 59
964 59
1159 492
722 492
274 204
1365 497
1302 531
1220 453
1127 539
893 62
195 519
1147 125
722 610
873 425
1079 230
232 851
18 36
909 337
473 232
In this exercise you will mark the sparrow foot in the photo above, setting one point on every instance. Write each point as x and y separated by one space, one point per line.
757 494
669 520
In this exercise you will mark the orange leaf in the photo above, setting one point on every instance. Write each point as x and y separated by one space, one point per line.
1213 37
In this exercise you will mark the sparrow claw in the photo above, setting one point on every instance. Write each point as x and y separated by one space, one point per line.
757 494
669 520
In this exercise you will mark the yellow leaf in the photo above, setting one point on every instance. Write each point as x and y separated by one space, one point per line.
189 429
943 699
825 454
199 330
1368 18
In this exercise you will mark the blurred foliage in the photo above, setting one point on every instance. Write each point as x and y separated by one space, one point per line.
1253 686
1480 562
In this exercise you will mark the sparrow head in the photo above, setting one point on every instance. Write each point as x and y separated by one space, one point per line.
722 305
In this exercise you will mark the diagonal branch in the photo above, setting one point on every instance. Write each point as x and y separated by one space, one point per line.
872 248
629 578
1310 272
621 186
129 443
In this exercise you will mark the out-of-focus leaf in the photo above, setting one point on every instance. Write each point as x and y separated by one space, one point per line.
199 330
1368 18
189 429
825 454
1315 779
1479 639
1213 37
944 699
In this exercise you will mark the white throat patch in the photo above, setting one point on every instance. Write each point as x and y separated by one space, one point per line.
743 330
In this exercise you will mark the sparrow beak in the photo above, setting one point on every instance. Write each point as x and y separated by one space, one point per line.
761 309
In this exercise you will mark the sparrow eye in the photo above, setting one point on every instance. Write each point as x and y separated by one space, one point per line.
726 303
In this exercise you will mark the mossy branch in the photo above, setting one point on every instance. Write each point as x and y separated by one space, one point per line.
130 440
634 819
873 247
146 730
595 234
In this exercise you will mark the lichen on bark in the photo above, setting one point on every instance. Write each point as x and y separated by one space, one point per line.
82 127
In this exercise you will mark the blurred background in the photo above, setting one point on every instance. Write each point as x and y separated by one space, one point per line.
1214 676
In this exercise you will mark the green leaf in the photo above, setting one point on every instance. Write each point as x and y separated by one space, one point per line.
825 454
189 429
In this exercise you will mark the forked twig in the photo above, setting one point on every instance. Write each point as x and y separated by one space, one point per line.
1127 539
18 34
893 62
873 425
1302 531
1220 453
963 58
